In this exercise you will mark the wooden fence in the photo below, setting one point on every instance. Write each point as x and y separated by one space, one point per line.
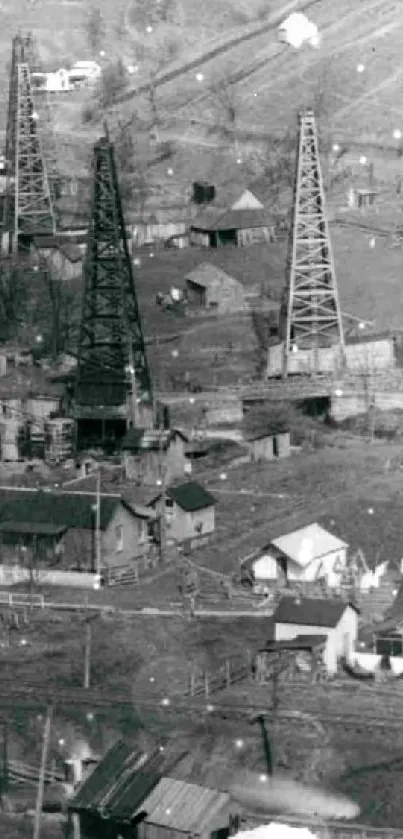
202 682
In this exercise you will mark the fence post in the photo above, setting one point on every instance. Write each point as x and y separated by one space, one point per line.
206 684
192 681
249 663
227 672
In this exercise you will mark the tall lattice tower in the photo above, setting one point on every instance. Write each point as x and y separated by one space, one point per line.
113 384
312 308
28 206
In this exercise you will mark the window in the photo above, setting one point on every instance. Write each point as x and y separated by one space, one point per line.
119 538
169 503
143 531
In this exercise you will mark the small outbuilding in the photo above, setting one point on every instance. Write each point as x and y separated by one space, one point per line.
149 453
306 555
334 620
264 446
189 514
210 288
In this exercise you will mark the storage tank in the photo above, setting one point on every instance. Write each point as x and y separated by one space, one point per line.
203 192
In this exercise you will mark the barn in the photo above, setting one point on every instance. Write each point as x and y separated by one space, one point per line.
209 288
235 217
332 620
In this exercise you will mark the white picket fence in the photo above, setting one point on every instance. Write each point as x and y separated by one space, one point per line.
10 575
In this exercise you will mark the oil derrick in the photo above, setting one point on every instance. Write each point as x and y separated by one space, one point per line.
113 388
44 123
312 312
28 207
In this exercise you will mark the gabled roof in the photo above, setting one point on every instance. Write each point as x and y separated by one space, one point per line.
244 219
206 275
308 543
310 611
120 782
67 509
184 807
142 439
191 496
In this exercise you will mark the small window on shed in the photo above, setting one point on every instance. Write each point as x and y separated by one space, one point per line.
169 503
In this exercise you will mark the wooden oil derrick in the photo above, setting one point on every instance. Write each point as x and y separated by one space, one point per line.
311 307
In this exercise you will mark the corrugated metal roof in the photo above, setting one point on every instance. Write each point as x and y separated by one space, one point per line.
308 543
120 782
186 807
308 611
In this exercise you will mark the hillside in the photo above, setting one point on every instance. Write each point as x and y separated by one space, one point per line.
236 48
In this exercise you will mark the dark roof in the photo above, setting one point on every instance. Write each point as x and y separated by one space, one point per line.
310 611
121 781
191 496
32 527
66 509
301 642
244 219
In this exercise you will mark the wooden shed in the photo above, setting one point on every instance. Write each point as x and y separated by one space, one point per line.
176 809
266 446
210 288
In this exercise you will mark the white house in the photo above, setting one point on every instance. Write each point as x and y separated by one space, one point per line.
333 620
306 555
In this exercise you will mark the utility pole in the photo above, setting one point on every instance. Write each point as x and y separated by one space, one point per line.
98 547
87 654
41 783
4 773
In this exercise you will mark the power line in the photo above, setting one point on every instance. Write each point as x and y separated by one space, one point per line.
34 695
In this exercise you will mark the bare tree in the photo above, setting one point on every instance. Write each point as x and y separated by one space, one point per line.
226 99
158 62
112 82
95 26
